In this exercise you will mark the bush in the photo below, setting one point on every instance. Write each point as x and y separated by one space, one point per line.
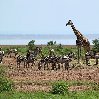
5 84
95 86
96 45
31 45
2 71
59 88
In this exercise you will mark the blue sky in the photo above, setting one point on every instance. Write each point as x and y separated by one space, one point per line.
48 16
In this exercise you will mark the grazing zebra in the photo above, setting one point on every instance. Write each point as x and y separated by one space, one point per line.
20 59
54 61
91 55
1 56
12 51
31 55
72 55
44 61
30 59
65 60
97 57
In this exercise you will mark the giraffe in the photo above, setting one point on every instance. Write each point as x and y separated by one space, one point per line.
84 41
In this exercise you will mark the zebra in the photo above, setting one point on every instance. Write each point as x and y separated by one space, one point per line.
91 55
64 60
1 56
14 51
30 59
20 59
55 60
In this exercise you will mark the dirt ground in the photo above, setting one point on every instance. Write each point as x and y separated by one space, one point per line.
31 79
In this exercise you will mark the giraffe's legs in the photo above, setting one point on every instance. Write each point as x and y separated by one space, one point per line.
78 54
96 61
80 51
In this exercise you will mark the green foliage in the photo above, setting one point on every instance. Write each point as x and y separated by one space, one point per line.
51 43
59 88
22 50
59 49
5 84
95 86
31 45
67 50
44 95
2 71
5 50
86 94
96 45
45 51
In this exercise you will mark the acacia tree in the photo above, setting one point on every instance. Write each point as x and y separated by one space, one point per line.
31 45
51 43
96 45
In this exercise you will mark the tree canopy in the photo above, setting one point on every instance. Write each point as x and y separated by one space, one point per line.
96 45
31 45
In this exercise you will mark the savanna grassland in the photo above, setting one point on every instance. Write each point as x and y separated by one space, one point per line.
81 82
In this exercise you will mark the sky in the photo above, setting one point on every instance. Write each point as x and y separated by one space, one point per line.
48 17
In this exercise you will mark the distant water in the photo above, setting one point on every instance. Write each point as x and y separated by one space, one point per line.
7 39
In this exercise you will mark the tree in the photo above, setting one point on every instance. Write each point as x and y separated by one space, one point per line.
96 45
59 49
51 43
31 45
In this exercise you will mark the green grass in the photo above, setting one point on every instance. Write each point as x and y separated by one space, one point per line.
45 49
3 70
22 50
44 95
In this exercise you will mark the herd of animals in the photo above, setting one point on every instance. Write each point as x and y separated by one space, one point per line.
53 60
31 57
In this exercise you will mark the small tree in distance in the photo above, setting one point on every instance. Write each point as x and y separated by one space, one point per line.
96 45
31 45
51 43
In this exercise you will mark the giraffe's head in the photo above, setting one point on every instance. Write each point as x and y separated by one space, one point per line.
69 23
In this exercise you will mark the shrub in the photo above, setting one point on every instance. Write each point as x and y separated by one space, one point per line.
5 84
59 88
96 45
2 71
31 45
95 86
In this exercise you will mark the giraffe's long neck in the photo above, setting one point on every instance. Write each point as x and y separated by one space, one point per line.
73 27
77 33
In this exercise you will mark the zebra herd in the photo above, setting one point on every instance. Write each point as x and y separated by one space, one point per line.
55 62
52 61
